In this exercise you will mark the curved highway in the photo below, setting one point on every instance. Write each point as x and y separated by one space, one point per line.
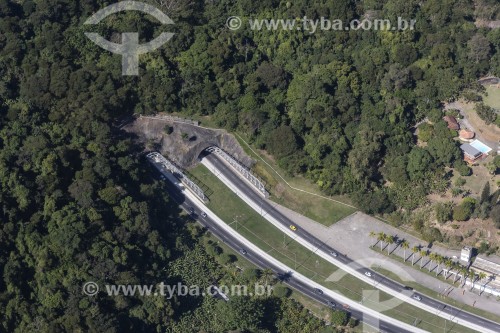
442 308
286 276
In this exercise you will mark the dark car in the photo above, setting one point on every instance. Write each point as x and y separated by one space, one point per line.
331 304
243 251
318 291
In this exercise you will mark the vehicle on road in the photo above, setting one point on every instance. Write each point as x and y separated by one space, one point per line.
243 251
203 214
331 304
408 288
333 253
416 297
294 228
318 291
191 210
369 274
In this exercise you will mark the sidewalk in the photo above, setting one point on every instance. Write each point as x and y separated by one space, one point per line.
351 236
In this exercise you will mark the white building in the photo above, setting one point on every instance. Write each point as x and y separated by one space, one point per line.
466 254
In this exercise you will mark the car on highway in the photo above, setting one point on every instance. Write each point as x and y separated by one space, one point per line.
318 291
203 214
369 274
191 210
294 228
243 251
333 253
331 304
416 297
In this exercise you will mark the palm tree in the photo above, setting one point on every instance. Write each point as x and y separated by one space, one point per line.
440 260
448 263
373 235
482 276
414 250
266 274
389 240
473 278
381 238
423 253
405 246
432 257
459 269
465 272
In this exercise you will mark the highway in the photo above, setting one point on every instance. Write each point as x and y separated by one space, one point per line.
426 303
195 208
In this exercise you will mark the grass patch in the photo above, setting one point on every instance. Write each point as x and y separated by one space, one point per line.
260 232
317 208
493 98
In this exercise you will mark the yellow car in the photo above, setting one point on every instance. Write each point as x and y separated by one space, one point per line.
294 228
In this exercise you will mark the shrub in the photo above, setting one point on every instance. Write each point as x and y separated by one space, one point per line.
463 211
464 170
225 258
168 129
425 132
455 192
339 318
443 212
460 182
486 113
495 215
281 291
483 247
213 250
432 235
251 274
456 240
435 115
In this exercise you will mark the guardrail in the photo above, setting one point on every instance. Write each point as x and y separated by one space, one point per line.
243 170
177 172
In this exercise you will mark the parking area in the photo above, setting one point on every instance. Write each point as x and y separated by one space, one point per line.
350 236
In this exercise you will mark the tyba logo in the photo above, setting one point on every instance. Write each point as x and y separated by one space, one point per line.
129 49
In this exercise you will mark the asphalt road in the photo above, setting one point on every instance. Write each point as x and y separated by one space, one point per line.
286 277
246 188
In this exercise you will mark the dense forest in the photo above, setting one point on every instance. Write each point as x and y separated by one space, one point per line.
78 203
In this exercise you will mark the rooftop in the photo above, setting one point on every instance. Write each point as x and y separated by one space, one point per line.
487 266
470 150
466 134
452 122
